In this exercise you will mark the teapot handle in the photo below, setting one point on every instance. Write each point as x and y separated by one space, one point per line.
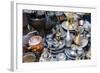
33 32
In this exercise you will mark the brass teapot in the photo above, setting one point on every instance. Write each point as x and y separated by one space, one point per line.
72 21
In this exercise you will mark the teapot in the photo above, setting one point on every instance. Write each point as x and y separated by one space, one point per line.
36 44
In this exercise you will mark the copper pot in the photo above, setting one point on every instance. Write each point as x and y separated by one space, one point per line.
36 43
38 23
